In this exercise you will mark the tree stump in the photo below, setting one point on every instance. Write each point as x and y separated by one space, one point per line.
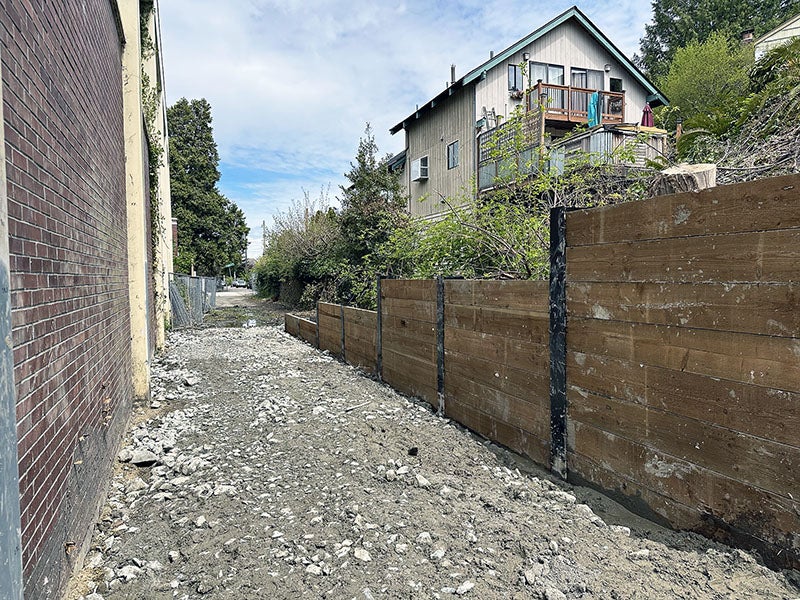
683 178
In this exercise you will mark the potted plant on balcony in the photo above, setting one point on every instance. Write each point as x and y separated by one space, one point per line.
516 94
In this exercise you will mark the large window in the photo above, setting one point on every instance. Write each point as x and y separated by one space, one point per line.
589 79
452 155
553 74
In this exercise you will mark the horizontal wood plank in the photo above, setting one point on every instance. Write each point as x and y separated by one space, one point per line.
308 331
755 410
514 294
508 323
359 316
754 461
769 309
417 310
761 257
513 352
531 414
407 345
409 289
291 325
756 359
516 382
752 206
640 469
512 437
328 309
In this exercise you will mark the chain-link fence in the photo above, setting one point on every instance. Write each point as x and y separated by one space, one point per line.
191 298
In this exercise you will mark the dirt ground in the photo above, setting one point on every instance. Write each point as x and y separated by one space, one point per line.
265 469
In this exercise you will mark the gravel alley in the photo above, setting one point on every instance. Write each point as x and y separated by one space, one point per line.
265 469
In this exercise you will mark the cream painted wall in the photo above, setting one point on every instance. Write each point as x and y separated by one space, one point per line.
569 45
134 190
162 233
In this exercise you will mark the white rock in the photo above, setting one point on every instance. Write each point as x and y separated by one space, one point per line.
403 470
422 482
141 457
390 475
639 554
200 521
401 548
173 556
314 569
464 588
129 572
362 555
437 554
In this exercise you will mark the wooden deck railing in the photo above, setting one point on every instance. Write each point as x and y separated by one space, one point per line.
567 103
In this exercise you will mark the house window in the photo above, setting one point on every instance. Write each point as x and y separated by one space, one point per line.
588 79
615 84
452 155
514 78
553 74
419 169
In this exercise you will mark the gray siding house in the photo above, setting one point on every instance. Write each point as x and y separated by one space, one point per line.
568 59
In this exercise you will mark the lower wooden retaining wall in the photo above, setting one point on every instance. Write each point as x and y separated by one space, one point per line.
661 365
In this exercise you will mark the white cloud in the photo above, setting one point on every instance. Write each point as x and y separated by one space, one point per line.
292 83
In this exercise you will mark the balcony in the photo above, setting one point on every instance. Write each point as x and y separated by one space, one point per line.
571 104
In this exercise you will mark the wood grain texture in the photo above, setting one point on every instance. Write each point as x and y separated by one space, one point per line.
754 461
308 331
755 410
767 309
512 437
519 295
642 471
760 257
755 359
520 324
409 289
753 206
512 352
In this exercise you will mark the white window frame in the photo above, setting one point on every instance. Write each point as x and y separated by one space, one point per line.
419 168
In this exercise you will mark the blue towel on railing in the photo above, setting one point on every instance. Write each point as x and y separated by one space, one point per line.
593 113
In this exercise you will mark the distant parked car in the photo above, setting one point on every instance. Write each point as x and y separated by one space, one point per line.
239 283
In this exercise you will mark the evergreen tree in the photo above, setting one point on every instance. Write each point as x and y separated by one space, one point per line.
372 204
211 229
677 23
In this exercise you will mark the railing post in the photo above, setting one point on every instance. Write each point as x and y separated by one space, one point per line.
379 332
440 342
558 342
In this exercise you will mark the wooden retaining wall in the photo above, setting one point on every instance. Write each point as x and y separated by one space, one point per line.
329 321
683 357
303 329
409 337
497 362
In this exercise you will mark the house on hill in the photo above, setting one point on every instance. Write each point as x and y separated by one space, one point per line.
572 68
782 34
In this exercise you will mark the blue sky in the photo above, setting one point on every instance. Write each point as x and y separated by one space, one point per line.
292 83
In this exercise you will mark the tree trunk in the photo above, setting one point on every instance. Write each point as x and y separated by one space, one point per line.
684 178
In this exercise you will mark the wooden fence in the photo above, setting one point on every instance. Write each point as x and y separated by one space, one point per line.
682 357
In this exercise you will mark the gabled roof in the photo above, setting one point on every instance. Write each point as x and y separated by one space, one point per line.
655 97
783 25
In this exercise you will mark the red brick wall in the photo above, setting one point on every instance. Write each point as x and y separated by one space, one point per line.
62 95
